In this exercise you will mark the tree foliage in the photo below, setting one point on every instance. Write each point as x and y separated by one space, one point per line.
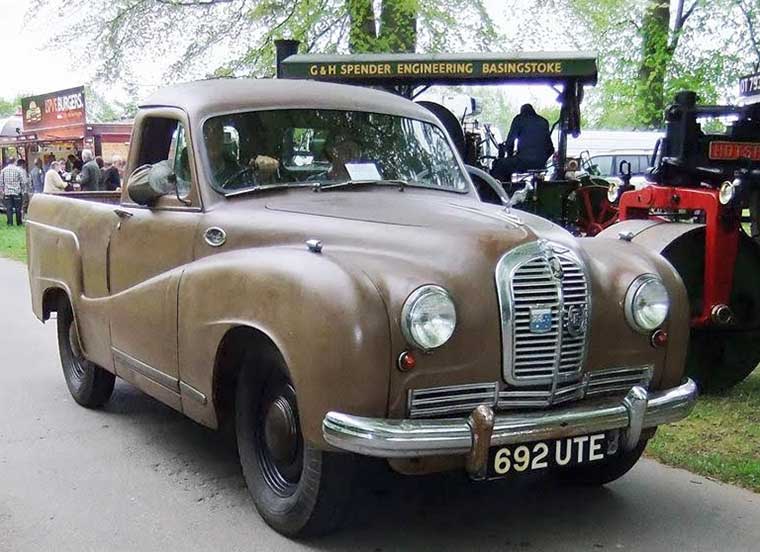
185 39
650 49
9 107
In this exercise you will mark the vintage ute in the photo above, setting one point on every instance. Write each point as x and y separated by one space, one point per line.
309 262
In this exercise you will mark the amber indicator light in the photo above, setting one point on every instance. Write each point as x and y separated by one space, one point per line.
406 361
659 338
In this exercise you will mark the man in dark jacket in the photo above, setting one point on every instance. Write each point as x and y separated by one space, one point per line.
110 179
89 178
534 145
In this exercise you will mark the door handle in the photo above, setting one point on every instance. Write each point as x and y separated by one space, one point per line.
122 214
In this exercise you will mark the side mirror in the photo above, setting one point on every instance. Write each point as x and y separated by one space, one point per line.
148 183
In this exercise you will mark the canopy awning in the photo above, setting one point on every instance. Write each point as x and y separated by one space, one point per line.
444 69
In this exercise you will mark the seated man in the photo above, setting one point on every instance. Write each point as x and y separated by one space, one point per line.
227 169
534 145
339 151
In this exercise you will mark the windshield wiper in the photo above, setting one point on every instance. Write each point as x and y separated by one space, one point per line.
264 187
382 182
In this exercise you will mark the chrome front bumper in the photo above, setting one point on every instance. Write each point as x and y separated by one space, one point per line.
389 438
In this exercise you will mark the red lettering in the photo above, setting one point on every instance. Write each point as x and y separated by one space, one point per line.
727 151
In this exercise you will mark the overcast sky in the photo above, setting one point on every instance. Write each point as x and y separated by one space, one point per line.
29 69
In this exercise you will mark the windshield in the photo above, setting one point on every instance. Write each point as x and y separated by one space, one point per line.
302 147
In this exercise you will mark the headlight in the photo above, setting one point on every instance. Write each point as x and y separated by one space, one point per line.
726 193
428 317
646 303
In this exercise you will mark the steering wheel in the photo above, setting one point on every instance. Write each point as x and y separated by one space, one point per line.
317 176
595 211
238 174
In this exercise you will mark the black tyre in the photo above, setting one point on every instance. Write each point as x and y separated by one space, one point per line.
604 472
299 490
89 384
720 357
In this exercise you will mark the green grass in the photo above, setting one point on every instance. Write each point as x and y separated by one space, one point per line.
12 241
720 439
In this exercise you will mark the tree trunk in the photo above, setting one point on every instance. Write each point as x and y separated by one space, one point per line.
398 25
362 34
656 55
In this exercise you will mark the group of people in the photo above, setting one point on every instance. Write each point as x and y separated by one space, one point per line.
85 172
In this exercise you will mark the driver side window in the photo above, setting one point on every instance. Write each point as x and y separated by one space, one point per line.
165 147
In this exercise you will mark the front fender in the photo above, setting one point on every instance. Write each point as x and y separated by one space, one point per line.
329 323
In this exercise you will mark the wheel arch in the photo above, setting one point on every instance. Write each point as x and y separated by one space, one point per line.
236 343
50 300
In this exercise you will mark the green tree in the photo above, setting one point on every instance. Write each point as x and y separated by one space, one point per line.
200 38
649 49
659 40
9 107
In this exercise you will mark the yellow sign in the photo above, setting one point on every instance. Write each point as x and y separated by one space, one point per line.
434 68
518 67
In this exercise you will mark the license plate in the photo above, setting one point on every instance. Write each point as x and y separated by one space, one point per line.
508 461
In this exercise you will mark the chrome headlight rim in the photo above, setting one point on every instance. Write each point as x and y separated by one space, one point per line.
727 192
406 312
638 284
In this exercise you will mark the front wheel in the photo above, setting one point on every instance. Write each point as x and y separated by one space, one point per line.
299 490
604 472
89 384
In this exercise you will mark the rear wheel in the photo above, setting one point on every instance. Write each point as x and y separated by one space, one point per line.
604 472
89 384
299 490
721 357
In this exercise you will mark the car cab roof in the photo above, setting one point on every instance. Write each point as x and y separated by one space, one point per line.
201 99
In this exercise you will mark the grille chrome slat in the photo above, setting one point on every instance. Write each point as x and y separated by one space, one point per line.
460 399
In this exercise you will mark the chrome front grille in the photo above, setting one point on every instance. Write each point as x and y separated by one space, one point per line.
453 399
617 380
546 283
575 295
460 399
534 354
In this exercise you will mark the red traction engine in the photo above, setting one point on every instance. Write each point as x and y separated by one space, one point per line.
702 212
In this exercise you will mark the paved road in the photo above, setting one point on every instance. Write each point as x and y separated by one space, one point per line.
139 476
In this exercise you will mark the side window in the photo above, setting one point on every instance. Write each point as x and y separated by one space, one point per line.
163 142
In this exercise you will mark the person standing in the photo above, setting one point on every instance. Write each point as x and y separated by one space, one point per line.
111 177
13 186
534 145
53 181
37 176
89 178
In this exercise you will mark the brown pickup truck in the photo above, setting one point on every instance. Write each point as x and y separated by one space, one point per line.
310 263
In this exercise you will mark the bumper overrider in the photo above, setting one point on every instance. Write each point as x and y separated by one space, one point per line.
474 435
